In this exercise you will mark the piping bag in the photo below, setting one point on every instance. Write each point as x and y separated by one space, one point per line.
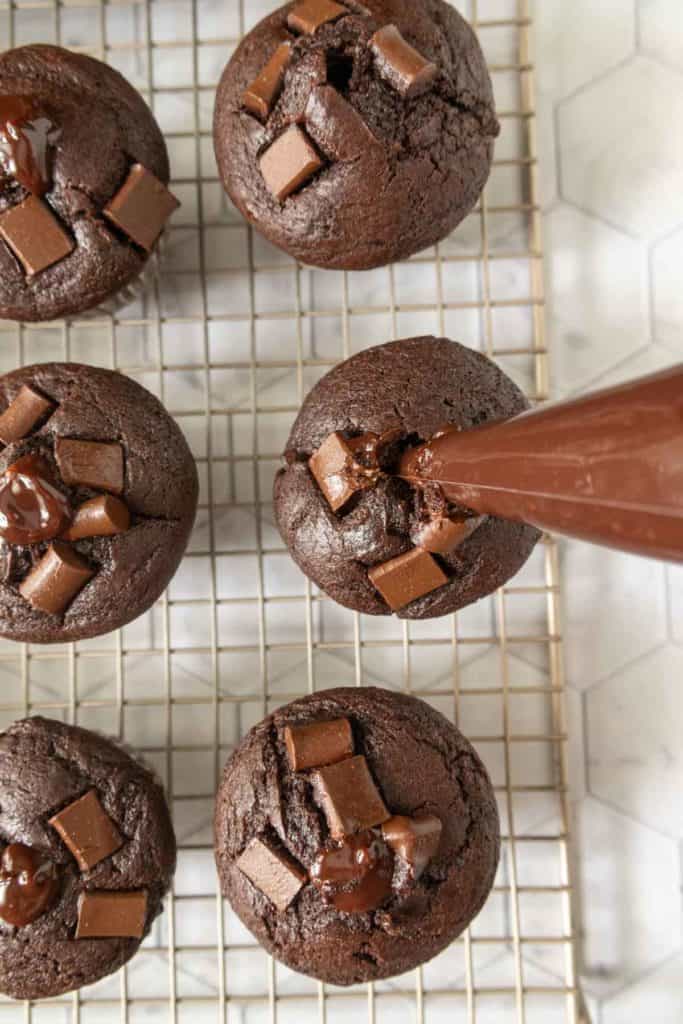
606 468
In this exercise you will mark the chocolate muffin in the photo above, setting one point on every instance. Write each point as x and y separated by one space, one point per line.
98 492
354 134
83 176
356 834
368 539
88 852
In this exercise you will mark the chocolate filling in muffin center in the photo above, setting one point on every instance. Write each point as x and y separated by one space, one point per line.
40 205
344 467
56 496
368 857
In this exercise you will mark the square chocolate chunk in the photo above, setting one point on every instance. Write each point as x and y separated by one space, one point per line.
273 873
400 64
414 840
349 796
336 128
289 163
23 414
34 235
318 743
111 915
330 466
88 831
407 577
141 207
308 16
54 581
96 464
259 98
103 516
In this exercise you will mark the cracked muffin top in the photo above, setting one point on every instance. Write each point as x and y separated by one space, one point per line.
356 834
87 853
370 540
355 134
83 176
98 492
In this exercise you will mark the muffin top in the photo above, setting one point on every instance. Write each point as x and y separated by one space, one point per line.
89 828
367 538
98 492
83 175
356 834
353 134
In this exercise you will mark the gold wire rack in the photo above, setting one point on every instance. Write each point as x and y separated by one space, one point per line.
231 334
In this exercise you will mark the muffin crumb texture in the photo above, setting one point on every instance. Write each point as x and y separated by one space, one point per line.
83 183
355 134
368 538
88 852
356 834
98 492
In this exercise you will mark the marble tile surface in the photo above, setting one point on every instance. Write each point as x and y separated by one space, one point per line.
598 296
611 119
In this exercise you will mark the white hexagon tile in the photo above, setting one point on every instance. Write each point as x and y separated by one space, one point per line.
667 294
598 296
627 876
610 81
660 28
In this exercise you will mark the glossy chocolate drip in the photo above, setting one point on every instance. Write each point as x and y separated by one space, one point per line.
32 509
29 885
607 468
354 875
26 137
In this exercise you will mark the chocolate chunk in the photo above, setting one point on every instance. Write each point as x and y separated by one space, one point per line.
400 64
407 577
309 15
329 465
365 446
103 516
88 831
29 884
337 473
54 582
415 840
335 127
274 873
32 508
34 235
90 464
289 163
349 796
141 207
111 915
354 875
23 414
444 534
260 97
317 744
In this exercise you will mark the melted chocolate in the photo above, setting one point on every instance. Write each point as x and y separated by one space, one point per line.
607 467
355 874
369 449
32 509
26 140
29 884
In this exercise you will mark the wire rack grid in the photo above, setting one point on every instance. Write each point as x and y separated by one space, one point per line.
230 335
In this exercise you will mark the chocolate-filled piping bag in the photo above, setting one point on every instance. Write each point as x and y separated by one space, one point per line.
606 468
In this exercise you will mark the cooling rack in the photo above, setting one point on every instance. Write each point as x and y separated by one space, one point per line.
230 335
